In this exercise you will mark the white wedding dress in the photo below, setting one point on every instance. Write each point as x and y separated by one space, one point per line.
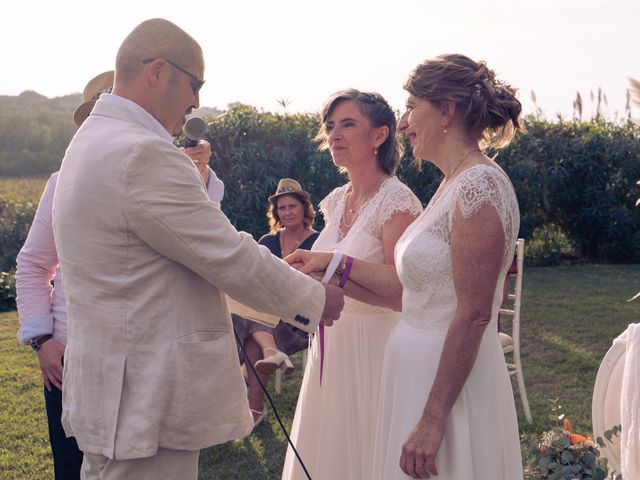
334 424
481 439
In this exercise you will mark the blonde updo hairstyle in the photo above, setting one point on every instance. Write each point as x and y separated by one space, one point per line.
488 106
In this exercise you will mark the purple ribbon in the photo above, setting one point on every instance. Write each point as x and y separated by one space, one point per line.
321 340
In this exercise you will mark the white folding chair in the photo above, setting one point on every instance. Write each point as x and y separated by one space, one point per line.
511 343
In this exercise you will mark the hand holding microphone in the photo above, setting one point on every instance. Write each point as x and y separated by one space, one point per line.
194 130
197 149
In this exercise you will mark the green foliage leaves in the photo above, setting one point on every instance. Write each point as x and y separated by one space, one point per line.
252 150
15 221
7 291
580 177
560 453
575 182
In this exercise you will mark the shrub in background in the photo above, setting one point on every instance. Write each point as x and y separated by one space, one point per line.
7 291
575 181
15 220
252 150
581 177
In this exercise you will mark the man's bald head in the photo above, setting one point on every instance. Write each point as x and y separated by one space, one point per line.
155 38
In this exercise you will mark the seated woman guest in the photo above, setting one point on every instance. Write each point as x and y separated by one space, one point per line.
446 404
335 419
291 217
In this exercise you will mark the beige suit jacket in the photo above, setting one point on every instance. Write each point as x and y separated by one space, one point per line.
151 359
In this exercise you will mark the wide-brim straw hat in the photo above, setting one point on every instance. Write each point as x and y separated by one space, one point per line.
288 186
98 85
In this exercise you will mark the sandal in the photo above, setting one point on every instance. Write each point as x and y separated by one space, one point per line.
279 360
258 416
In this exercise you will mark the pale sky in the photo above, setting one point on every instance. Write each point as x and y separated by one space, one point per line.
257 52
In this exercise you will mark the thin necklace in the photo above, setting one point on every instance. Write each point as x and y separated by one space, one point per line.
462 161
355 212
445 184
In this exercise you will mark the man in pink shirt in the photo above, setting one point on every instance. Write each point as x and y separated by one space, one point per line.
41 306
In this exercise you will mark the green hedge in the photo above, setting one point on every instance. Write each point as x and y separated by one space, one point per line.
15 220
580 178
575 182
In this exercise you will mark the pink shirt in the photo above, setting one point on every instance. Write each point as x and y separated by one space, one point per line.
41 307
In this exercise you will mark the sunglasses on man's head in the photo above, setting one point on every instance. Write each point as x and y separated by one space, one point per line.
196 83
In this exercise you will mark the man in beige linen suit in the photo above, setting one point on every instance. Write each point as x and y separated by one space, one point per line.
151 372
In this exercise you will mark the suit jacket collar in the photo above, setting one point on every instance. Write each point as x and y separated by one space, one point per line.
110 105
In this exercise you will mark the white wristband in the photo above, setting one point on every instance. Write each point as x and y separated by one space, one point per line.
331 268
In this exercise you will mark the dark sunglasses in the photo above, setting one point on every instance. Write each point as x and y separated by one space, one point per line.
196 83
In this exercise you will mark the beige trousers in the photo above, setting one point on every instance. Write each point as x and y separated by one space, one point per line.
164 465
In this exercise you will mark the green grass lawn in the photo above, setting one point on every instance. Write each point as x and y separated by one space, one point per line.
570 315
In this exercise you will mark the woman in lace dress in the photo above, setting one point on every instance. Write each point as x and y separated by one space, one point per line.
446 407
334 424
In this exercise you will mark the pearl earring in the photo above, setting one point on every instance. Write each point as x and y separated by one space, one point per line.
375 151
444 130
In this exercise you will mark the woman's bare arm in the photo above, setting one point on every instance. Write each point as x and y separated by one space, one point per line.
477 249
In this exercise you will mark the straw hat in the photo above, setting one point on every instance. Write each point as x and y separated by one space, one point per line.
288 186
98 85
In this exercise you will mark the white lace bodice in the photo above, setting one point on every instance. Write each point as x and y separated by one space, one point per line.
423 253
364 238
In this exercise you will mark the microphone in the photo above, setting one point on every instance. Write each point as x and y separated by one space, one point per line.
194 130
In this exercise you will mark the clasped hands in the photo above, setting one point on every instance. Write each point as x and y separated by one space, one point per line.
315 264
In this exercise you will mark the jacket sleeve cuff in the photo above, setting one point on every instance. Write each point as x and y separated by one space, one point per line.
313 308
35 327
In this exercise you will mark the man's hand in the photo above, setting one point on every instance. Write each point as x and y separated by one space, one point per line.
200 155
311 261
333 305
50 358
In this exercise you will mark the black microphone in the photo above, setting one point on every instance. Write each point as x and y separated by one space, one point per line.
194 130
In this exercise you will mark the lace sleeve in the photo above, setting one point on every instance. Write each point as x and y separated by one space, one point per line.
397 198
328 204
484 185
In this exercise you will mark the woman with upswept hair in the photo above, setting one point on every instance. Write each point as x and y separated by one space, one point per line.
446 407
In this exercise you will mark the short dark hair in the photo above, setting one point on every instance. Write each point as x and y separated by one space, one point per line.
373 106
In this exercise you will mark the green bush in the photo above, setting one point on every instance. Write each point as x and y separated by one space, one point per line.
574 177
548 246
15 221
575 181
7 291
580 176
252 150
